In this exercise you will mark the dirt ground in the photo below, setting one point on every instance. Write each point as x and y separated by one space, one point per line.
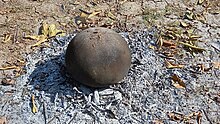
22 17
172 18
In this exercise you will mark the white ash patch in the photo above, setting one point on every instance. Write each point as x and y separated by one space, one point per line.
144 95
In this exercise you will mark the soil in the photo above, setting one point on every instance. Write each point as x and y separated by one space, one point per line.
19 18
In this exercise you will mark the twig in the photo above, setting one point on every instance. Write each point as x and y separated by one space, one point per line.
44 112
206 115
55 116
16 35
72 118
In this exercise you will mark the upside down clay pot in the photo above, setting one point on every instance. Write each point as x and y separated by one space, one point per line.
98 57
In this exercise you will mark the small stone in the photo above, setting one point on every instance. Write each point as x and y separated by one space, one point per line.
98 57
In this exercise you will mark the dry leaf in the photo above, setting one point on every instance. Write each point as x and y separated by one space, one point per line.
216 65
171 65
195 36
160 42
41 39
93 14
168 43
8 81
111 16
84 15
34 107
3 120
200 18
35 37
197 115
190 31
151 47
184 24
200 2
9 67
52 30
192 46
189 15
199 118
157 122
45 28
175 116
7 38
214 12
178 82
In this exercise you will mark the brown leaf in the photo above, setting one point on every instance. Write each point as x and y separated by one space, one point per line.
178 82
193 115
158 122
171 65
3 120
168 43
199 118
200 18
216 65
175 116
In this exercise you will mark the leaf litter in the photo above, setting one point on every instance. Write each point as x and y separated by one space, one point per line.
47 31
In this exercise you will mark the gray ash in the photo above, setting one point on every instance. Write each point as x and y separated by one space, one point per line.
143 96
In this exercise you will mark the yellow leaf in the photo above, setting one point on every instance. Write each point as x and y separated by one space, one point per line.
190 31
200 1
189 15
84 15
195 36
191 46
9 67
151 47
93 14
7 38
34 37
52 30
178 82
34 107
111 16
184 24
45 29
39 42
200 18
171 65
160 42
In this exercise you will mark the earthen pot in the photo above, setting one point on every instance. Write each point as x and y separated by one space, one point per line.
98 57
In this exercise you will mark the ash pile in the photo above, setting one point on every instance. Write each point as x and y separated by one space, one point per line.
145 95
